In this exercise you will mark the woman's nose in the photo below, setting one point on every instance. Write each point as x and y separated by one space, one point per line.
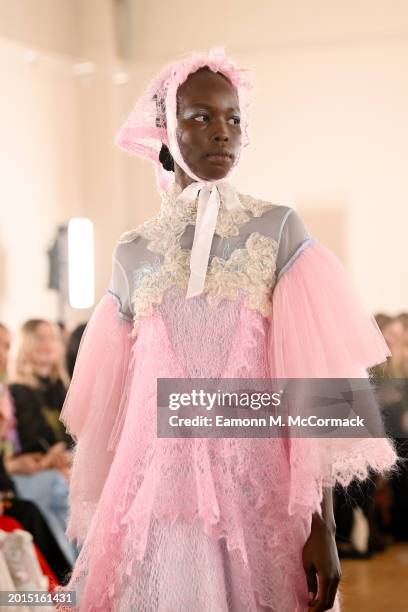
221 137
221 133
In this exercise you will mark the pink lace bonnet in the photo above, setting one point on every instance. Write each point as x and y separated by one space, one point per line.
153 120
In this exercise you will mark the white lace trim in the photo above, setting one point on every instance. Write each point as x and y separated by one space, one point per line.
250 269
175 215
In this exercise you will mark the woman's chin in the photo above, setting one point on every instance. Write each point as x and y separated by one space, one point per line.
215 174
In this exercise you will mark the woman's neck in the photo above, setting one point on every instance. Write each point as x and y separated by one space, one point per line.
43 370
181 178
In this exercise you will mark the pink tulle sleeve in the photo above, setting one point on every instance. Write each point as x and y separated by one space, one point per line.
94 408
320 329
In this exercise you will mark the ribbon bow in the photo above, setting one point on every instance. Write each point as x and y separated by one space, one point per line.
209 201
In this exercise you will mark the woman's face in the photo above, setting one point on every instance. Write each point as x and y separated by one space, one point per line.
393 333
46 345
208 124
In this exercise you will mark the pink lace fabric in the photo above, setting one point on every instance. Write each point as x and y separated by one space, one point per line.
94 406
154 114
209 524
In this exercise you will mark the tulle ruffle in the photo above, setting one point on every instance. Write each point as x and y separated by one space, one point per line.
94 408
253 496
234 491
320 329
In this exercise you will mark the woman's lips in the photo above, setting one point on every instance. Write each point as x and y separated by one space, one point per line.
222 158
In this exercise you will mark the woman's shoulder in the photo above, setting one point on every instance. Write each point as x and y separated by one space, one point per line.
257 206
133 243
129 252
272 212
18 387
20 391
276 219
130 236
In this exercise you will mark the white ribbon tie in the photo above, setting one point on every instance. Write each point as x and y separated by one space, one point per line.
209 202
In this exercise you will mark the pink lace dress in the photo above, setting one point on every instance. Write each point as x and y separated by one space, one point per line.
209 525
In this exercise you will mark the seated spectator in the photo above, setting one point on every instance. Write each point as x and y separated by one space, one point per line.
39 390
357 507
39 475
28 517
395 408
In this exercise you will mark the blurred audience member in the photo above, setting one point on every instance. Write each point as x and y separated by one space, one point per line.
393 397
367 506
73 347
39 475
27 516
403 318
64 333
392 328
39 390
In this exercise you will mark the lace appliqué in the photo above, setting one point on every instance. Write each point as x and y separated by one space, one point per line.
250 269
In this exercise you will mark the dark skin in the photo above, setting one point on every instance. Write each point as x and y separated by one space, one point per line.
209 122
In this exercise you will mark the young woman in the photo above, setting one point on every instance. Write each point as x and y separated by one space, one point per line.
38 458
218 285
39 390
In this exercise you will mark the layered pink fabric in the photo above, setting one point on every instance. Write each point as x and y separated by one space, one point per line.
169 511
320 329
94 407
235 491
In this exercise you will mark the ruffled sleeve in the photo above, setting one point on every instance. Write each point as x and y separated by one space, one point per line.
95 405
320 329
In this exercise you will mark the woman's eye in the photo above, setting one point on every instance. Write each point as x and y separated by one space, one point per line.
235 120
201 118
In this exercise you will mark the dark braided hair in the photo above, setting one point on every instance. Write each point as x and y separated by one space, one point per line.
166 158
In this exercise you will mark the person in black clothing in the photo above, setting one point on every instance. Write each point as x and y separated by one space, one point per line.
26 512
39 391
41 457
37 412
73 347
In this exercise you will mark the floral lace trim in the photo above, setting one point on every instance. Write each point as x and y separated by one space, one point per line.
175 214
250 269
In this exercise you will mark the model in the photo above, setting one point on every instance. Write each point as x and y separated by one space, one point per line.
217 285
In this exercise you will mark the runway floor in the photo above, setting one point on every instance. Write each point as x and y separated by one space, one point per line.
379 584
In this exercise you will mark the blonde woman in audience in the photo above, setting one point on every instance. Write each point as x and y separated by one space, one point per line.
39 389
37 458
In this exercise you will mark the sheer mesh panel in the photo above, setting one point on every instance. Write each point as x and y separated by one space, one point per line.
293 235
133 260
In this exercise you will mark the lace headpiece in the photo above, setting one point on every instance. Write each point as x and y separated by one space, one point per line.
153 122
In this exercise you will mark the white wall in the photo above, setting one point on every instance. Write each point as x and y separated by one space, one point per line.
40 176
49 24
329 127
329 120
